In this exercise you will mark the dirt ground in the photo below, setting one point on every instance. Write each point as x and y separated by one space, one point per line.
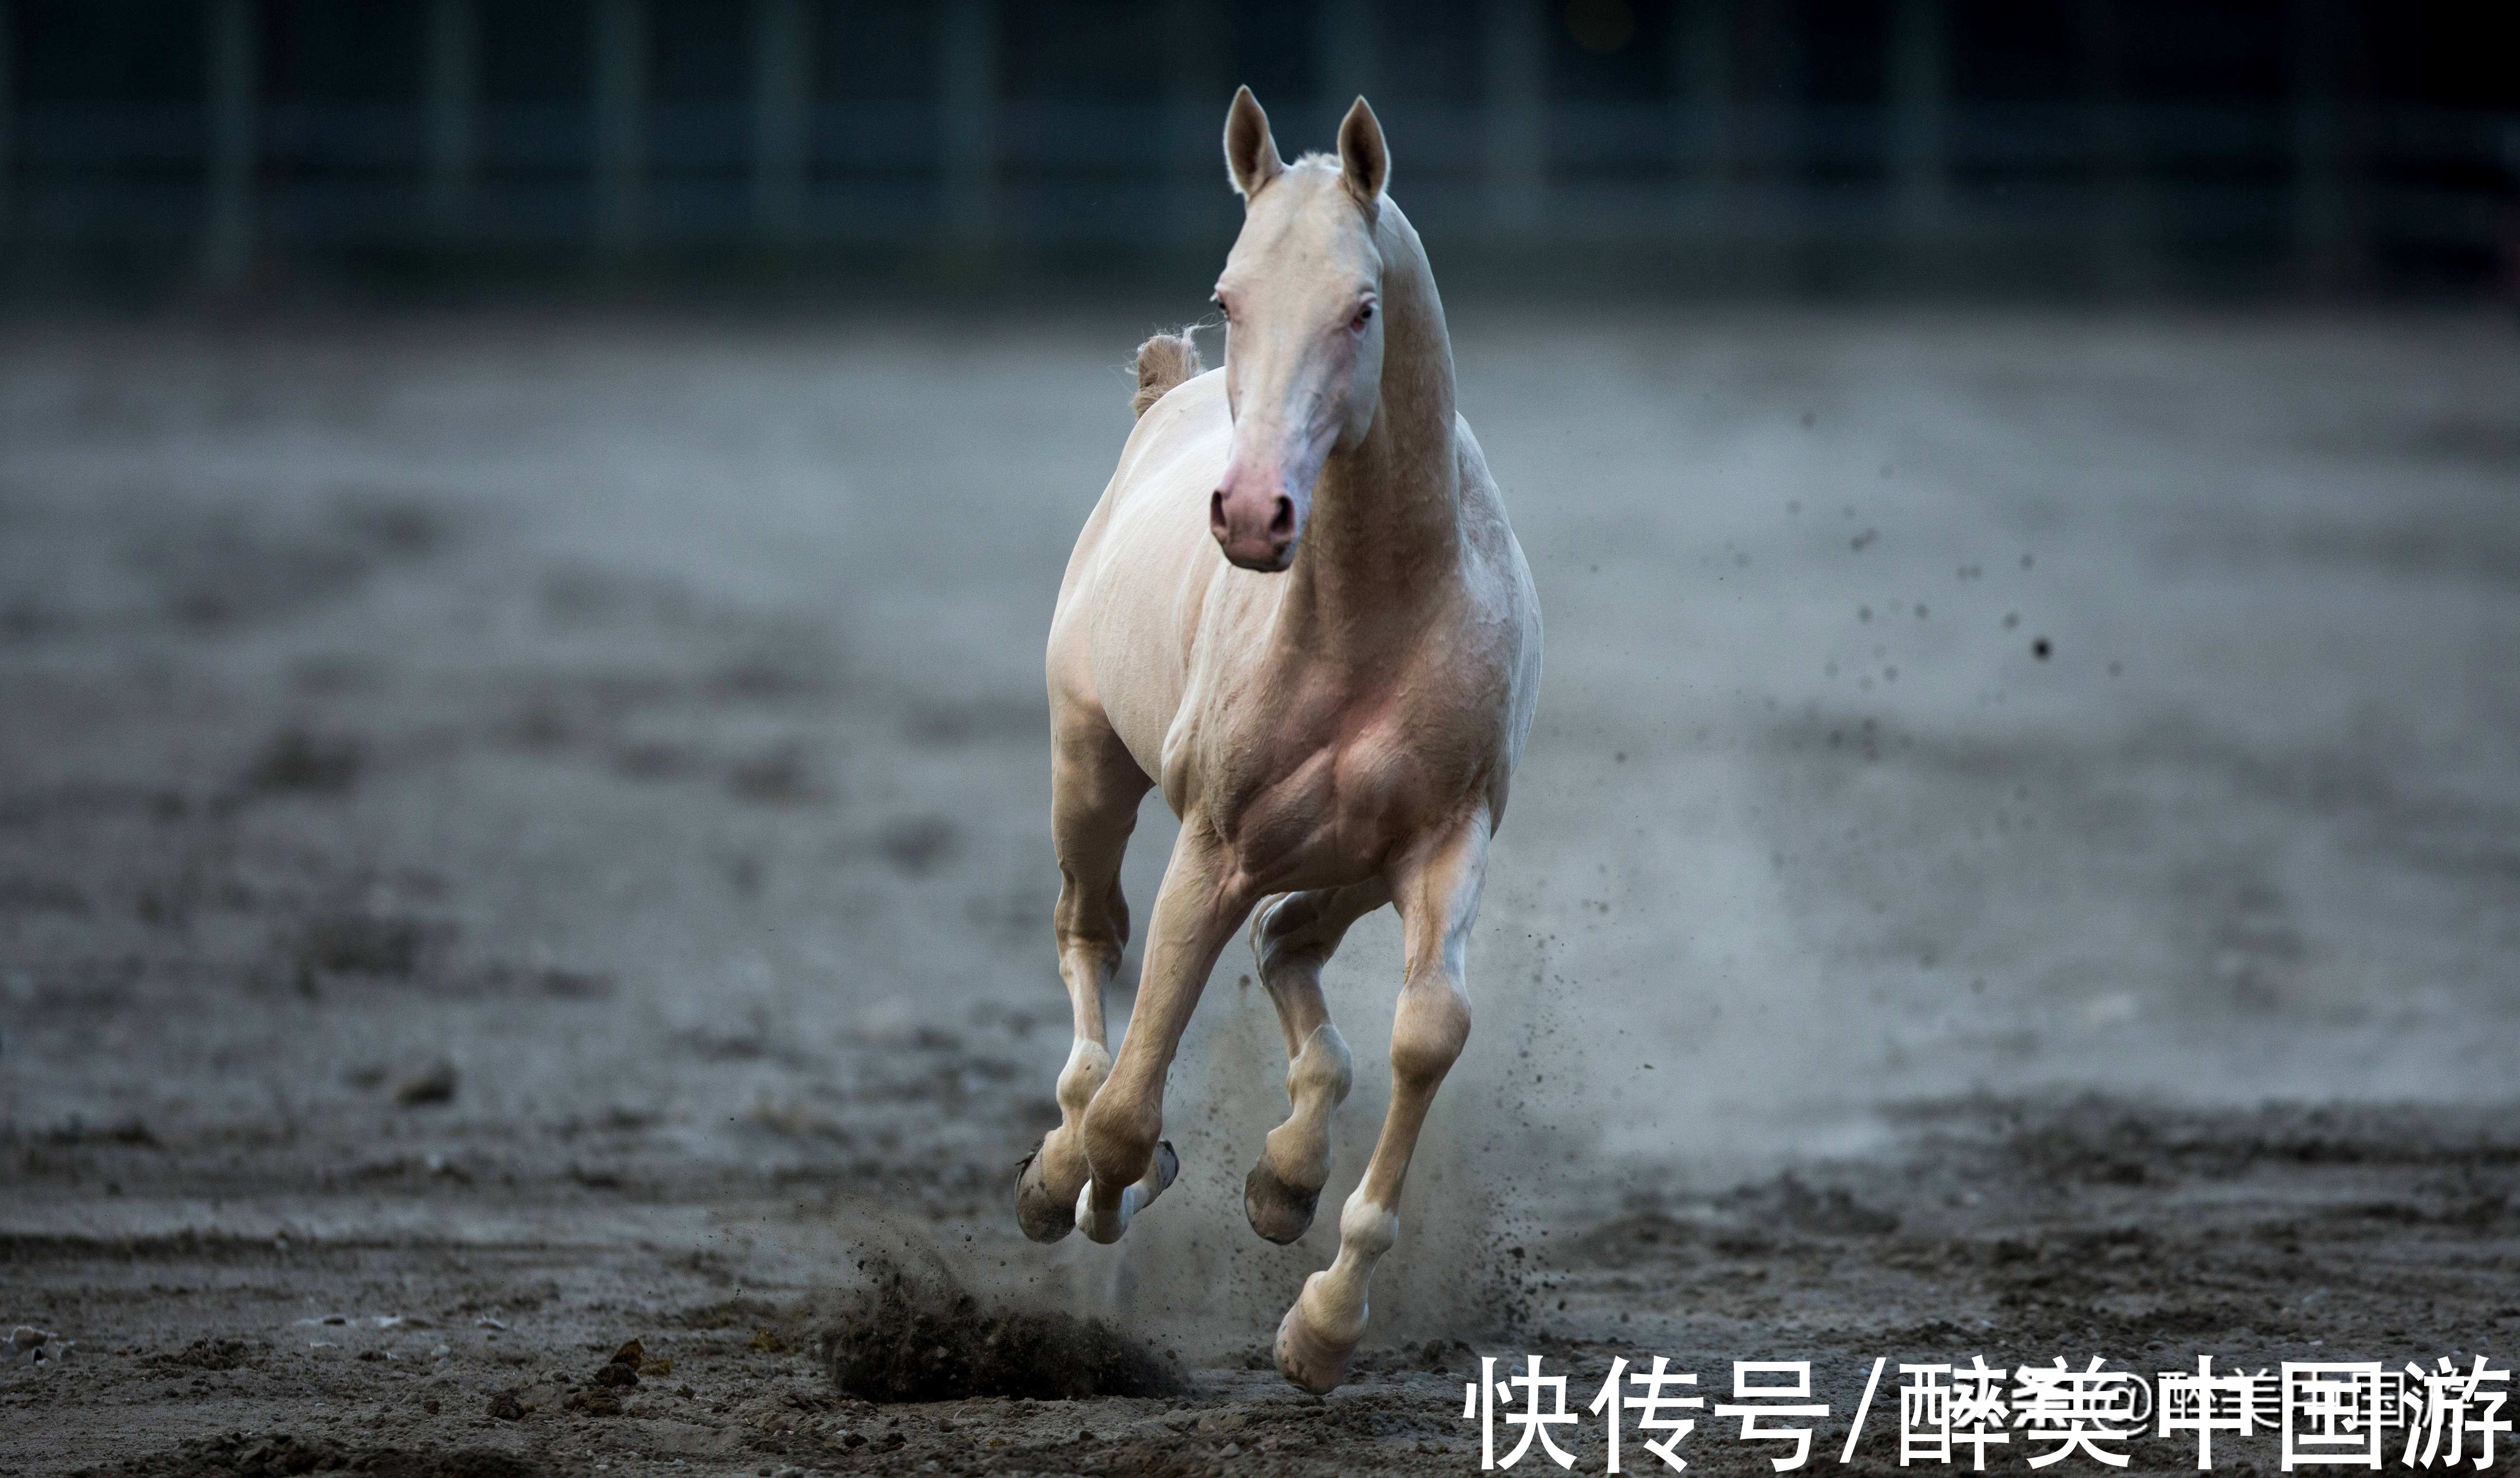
523 835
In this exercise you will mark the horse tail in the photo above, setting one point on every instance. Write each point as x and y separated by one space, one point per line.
1163 362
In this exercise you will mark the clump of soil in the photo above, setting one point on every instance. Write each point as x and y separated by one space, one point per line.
907 1339
208 1354
238 1456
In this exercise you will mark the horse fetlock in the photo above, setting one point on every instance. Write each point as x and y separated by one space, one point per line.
1367 1230
1323 1070
1120 1139
1103 1214
1329 1315
1298 1152
1089 1063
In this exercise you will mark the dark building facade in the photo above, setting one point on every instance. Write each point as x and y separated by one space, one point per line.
2124 147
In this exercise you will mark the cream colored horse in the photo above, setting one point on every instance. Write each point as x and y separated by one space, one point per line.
1331 675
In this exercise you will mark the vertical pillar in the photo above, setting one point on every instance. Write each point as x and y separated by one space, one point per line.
1517 122
968 95
1347 59
2319 211
782 84
1774 217
1705 132
228 236
454 73
2126 236
621 92
1195 93
1920 96
8 119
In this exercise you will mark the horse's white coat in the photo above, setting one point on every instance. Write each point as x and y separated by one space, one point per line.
1299 609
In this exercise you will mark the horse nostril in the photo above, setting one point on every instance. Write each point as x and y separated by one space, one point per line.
1216 512
1282 523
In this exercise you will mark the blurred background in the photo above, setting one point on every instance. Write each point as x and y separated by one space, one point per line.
2121 148
526 534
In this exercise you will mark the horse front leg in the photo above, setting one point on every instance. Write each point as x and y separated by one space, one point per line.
1436 888
1292 936
1197 911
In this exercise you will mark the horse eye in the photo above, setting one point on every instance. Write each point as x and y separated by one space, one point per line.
1363 313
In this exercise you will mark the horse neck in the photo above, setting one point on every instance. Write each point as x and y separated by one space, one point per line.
1385 528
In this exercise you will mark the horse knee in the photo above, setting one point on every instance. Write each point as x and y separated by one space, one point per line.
1431 1026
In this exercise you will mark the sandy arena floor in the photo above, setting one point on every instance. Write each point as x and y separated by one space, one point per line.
518 837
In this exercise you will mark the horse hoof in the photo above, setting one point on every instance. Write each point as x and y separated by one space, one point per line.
1279 1212
1044 1216
1309 1361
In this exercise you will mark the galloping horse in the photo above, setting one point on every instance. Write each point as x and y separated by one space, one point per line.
1332 678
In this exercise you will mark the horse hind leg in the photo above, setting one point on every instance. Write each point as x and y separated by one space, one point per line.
1095 790
1292 936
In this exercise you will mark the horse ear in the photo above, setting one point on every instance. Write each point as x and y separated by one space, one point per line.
1250 155
1364 161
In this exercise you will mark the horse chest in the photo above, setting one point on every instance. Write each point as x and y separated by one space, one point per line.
1322 803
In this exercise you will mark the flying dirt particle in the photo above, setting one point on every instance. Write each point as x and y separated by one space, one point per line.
431 1082
359 943
929 1340
782 774
915 844
2040 649
575 985
298 762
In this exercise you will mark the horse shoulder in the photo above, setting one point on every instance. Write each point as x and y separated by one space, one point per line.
1141 569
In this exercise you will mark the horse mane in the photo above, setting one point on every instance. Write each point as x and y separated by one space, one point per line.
1163 362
